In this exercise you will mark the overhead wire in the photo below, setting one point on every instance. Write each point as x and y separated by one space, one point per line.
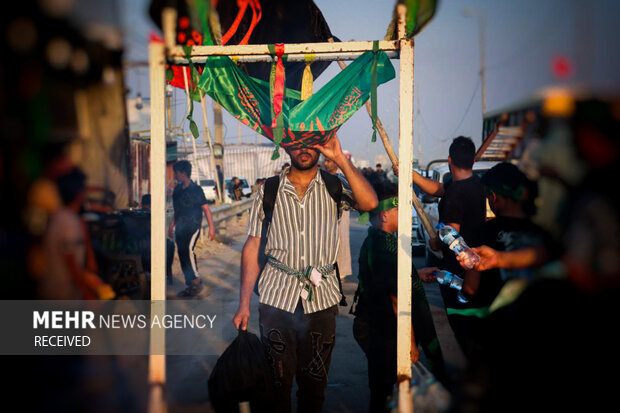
473 95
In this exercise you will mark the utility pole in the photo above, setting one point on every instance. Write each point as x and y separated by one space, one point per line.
469 12
219 138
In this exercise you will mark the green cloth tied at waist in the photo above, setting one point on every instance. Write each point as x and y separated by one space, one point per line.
303 277
469 312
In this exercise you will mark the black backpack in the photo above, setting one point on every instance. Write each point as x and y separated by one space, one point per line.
242 373
334 187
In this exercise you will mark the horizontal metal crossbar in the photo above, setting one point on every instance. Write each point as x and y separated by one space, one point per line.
295 51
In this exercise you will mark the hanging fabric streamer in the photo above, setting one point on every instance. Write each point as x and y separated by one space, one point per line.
191 88
204 8
307 79
277 89
373 92
257 13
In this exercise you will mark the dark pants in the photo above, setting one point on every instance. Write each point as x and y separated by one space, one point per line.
146 256
462 326
299 345
186 241
381 370
169 257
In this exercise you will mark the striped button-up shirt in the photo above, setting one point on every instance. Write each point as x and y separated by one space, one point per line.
302 233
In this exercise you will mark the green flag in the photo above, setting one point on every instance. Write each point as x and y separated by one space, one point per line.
419 13
308 122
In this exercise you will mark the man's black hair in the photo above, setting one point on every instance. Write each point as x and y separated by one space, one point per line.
507 180
384 190
462 152
71 184
183 166
378 165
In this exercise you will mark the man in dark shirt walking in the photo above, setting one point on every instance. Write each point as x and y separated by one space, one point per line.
462 206
189 204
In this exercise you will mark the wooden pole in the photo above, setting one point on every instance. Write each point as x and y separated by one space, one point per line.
169 26
157 350
394 159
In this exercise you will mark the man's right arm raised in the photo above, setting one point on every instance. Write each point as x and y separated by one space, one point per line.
428 186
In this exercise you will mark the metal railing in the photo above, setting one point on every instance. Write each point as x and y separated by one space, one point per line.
222 213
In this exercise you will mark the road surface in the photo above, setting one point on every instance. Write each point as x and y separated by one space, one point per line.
348 380
119 383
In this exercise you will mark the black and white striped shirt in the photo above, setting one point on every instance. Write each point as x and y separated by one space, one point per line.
301 233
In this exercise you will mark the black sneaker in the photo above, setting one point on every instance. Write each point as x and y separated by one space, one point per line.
192 290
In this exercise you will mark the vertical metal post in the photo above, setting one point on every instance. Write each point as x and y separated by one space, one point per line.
157 358
405 207
219 138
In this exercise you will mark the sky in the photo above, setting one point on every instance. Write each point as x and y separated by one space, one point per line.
521 40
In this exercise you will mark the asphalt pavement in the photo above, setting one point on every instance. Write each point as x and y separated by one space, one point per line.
218 264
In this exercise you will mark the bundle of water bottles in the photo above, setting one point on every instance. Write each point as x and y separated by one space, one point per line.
449 236
428 394
453 281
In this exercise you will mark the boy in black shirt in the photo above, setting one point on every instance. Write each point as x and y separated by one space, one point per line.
189 204
375 324
510 196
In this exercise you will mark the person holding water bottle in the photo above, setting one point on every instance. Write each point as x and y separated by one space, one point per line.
462 207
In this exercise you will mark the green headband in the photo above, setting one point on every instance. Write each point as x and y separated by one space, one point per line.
505 190
384 205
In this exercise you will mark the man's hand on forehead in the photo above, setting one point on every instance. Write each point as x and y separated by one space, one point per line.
330 149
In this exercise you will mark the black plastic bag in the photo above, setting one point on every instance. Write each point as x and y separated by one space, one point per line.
242 373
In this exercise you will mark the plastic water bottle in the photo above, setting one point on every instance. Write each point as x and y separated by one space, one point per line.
447 278
453 281
456 243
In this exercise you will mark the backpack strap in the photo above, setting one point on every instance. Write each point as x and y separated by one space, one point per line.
270 192
269 197
334 187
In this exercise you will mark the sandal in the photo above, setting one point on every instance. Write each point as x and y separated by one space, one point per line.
192 290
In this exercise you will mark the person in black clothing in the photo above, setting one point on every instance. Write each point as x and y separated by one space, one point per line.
374 326
553 345
462 206
511 197
189 204
380 172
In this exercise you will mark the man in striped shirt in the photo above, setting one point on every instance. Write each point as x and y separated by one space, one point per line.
298 288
